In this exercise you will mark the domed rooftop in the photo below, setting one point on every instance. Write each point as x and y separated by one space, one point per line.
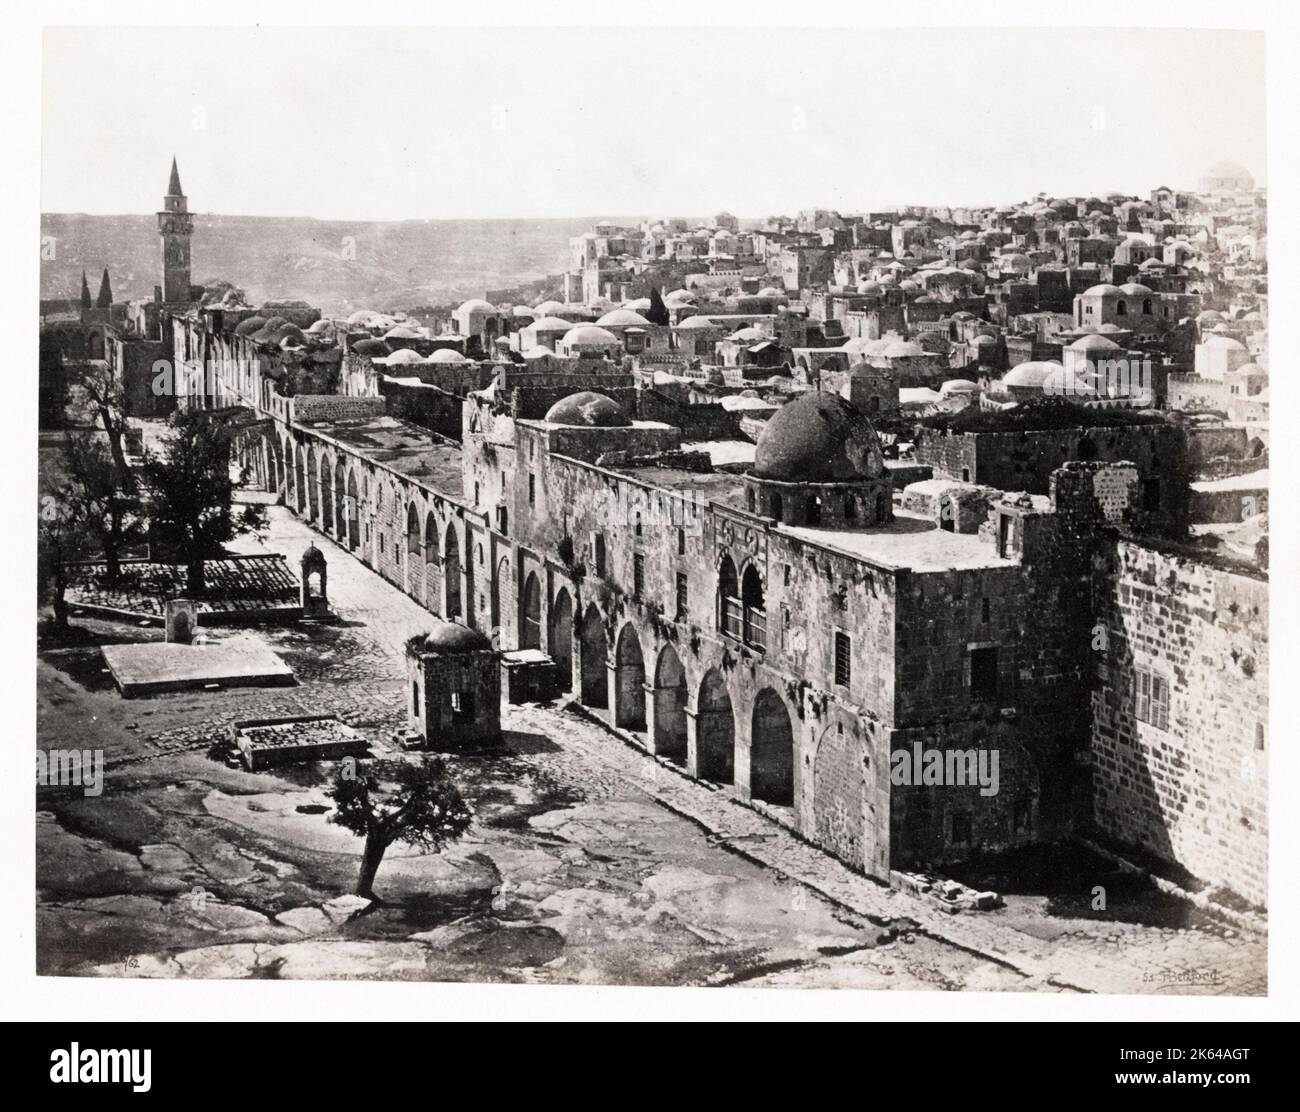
1251 369
770 291
958 386
1060 381
589 409
1030 375
1208 315
477 305
370 347
446 355
1105 289
698 322
404 356
590 336
1094 343
677 296
551 324
550 308
818 438
748 334
622 318
450 639
1135 289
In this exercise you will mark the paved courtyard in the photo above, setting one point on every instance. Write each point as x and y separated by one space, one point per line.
588 862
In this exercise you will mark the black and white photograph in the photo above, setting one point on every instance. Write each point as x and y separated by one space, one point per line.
689 503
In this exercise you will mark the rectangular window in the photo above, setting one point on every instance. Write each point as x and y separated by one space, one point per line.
682 596
843 659
638 576
983 673
462 706
532 490
1151 494
681 542
1151 698
961 828
598 552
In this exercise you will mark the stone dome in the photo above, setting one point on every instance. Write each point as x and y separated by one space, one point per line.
1060 381
589 409
1094 343
1030 375
250 325
590 336
550 308
903 349
446 355
818 438
1135 289
622 318
370 347
1105 289
404 356
401 332
450 639
551 324
957 386
477 305
698 322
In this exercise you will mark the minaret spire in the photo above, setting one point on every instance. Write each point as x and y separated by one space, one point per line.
105 298
174 185
85 292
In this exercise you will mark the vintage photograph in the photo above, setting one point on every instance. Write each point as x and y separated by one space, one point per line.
618 506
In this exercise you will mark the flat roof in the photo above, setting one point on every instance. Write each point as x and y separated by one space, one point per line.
400 446
909 541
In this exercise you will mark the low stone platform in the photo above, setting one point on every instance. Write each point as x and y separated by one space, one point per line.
156 667
265 742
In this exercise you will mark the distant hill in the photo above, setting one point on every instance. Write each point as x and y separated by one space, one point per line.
334 264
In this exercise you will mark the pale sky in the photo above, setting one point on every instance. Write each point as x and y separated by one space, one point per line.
405 123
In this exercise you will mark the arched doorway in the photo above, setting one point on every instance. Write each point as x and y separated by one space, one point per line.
839 790
560 641
353 513
729 619
300 479
771 751
715 731
595 648
326 482
531 628
451 573
754 624
670 707
431 599
629 681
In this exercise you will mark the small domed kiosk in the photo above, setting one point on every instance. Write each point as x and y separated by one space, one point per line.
453 701
819 463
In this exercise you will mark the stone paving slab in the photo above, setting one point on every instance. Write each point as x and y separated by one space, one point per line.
158 666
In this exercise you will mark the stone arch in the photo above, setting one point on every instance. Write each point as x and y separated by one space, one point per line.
595 648
754 608
670 706
313 487
839 795
412 531
728 601
353 513
715 730
771 751
560 636
530 626
629 680
451 573
340 502
302 499
326 494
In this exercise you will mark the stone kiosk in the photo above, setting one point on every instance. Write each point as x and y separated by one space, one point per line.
453 677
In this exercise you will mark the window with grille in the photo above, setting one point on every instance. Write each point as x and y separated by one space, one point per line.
532 490
682 598
1152 698
843 659
638 575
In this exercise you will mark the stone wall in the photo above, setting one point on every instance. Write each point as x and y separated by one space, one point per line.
335 407
1195 792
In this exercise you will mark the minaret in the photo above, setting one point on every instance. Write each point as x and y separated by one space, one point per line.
105 298
85 293
175 225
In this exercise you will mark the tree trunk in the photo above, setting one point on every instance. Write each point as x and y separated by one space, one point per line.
112 544
114 433
370 860
194 578
59 603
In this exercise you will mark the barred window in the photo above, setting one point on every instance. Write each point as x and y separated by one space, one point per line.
1152 698
843 659
682 595
638 575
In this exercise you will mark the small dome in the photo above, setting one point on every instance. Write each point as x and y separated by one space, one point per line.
404 356
818 438
1208 315
523 311
1105 289
590 336
589 409
250 325
622 318
1094 343
698 322
770 291
370 347
477 305
322 325
450 639
446 355
1030 375
958 386
551 324
1251 369
749 334
550 308
401 332
1135 289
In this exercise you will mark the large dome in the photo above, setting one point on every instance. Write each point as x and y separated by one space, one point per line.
477 305
588 408
623 318
818 438
589 336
